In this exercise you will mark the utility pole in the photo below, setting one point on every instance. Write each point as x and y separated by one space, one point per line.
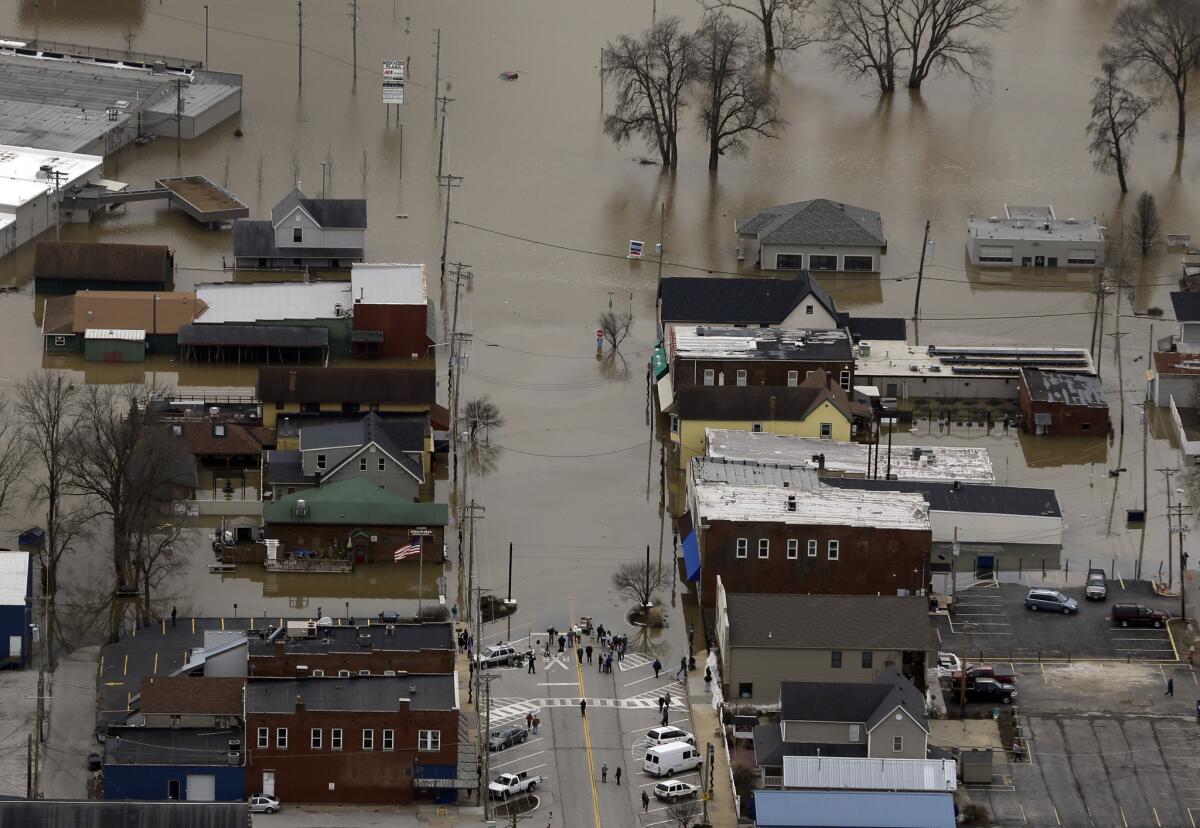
648 603
437 73
601 78
178 118
472 613
354 35
485 776
887 475
1137 575
508 601
1100 339
442 141
662 240
449 181
1166 473
205 35
1182 529
1098 289
920 276
300 47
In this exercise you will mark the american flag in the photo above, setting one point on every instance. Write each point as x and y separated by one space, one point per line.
408 550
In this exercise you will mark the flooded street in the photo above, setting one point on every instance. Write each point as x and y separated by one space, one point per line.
547 206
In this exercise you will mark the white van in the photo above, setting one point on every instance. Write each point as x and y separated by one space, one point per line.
669 759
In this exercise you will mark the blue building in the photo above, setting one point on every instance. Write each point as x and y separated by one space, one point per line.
192 764
16 607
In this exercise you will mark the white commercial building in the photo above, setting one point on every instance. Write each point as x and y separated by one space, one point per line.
1034 237
28 202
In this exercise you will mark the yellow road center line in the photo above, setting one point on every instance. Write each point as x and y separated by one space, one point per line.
222 623
193 626
164 626
587 741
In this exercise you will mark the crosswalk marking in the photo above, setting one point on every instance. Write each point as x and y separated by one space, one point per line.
503 710
632 661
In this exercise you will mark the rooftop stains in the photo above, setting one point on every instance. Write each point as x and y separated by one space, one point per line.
760 343
827 507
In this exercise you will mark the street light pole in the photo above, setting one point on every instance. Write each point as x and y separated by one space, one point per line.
205 35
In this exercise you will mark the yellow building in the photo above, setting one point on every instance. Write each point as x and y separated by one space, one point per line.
809 410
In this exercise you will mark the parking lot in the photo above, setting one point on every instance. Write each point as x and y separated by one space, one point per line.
992 623
1107 747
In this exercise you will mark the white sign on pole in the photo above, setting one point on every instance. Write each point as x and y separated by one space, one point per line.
393 81
635 249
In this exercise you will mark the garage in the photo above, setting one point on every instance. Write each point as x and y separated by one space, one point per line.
201 787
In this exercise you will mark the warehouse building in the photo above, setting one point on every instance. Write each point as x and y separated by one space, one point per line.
16 602
29 179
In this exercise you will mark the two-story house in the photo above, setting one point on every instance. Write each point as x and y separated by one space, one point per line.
392 453
881 719
303 233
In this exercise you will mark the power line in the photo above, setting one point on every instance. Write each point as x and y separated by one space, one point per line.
573 456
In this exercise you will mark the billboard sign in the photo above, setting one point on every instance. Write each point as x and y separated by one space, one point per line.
393 81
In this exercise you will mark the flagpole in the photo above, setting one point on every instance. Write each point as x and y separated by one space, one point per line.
420 572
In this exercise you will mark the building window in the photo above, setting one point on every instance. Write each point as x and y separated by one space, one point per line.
710 376
429 740
297 235
368 739
321 462
281 738
335 739
897 744
746 690
833 550
60 340
793 549
861 264
816 262
826 431
674 423
389 739
793 379
382 464
855 732
743 547
756 428
844 381
1085 426
264 738
316 738
362 464
343 674
868 659
742 376
808 310
812 549
789 261
835 659
764 548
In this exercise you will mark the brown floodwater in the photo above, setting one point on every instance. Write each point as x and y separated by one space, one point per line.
568 488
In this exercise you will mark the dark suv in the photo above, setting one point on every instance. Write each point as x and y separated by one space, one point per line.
1136 615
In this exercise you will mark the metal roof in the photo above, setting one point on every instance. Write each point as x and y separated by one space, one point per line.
828 507
869 774
946 497
14 578
1064 387
891 358
170 746
127 334
49 813
389 284
859 809
358 693
760 344
272 301
746 473
254 336
1027 226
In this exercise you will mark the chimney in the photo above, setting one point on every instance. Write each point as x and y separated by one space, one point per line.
292 381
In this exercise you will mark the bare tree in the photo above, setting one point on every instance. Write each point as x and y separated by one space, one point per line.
1116 114
294 161
1146 224
154 551
683 813
935 34
783 23
1160 39
737 100
260 170
16 454
481 415
650 75
365 168
860 39
638 581
615 327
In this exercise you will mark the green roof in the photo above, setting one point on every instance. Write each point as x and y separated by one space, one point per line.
355 502
659 361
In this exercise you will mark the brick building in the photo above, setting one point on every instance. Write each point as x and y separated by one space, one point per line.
362 739
758 357
779 539
344 651
391 311
1063 403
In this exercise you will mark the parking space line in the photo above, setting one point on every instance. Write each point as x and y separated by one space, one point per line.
1191 818
1056 819
1154 811
1124 821
514 761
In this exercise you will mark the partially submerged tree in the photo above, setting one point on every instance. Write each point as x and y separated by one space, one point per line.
155 555
1116 115
783 23
1160 40
860 39
1146 223
650 75
936 35
615 327
736 101
481 416
637 581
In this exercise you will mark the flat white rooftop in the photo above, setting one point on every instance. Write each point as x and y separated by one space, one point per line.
389 284
1033 223
893 358
929 463
21 178
826 507
695 342
272 301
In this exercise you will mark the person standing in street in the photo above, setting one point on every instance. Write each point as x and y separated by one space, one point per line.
666 711
173 614
529 656
1171 687
588 650
657 667
529 721
583 707
537 721
645 802
579 654
707 679
618 774
604 772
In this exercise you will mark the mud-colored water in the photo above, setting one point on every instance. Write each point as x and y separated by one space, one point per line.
569 486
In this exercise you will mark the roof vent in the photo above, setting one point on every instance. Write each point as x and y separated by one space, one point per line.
412 689
791 503
365 640
994 219
301 508
1072 220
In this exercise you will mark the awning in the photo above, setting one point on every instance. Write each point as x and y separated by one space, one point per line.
691 557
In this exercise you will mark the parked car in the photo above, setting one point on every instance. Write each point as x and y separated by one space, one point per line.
507 737
264 804
978 671
95 761
1136 615
948 664
1051 600
1097 585
666 735
508 784
671 758
674 789
497 655
988 689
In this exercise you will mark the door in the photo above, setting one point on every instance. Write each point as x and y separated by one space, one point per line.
173 789
1039 261
14 646
201 787
1026 261
1052 261
985 565
360 550
269 783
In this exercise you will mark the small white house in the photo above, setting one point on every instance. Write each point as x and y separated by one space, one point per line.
318 233
1034 237
815 235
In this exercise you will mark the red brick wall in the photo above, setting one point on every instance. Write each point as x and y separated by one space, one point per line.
403 328
869 560
303 774
377 661
1066 419
687 372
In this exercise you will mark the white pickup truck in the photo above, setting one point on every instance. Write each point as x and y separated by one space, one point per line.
509 784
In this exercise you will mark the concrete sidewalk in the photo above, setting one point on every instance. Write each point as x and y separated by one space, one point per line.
72 733
707 726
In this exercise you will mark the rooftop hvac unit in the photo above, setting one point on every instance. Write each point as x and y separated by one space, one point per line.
864 348
994 219
234 757
1072 220
338 310
235 744
301 508
302 629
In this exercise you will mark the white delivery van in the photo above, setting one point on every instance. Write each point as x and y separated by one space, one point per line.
670 759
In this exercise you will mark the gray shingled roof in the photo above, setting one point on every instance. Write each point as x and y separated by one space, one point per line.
397 438
327 212
828 701
819 221
1067 387
359 693
830 622
287 466
256 239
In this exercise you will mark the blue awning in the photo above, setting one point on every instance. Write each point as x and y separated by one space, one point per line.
691 557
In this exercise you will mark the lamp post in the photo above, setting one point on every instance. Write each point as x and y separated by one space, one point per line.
205 35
